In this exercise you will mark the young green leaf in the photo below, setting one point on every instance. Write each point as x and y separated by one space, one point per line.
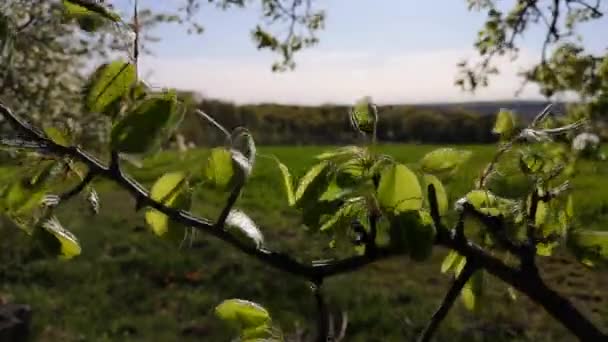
444 160
140 130
109 83
505 124
589 247
346 214
171 190
364 116
57 136
472 290
339 154
442 197
219 170
243 151
57 239
87 8
313 184
243 227
541 213
451 261
242 314
287 182
399 189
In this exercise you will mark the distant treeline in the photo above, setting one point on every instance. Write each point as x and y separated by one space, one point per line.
274 124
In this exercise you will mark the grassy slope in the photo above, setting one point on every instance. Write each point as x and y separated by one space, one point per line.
129 286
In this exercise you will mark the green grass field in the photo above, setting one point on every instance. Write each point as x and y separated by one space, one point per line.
130 286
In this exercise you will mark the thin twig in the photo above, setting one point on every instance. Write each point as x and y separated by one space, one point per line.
447 303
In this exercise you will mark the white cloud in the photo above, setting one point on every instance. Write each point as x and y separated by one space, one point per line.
338 77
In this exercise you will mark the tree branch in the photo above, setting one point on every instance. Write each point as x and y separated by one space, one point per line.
526 282
533 286
448 301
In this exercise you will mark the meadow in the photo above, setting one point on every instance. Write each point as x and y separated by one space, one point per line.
128 285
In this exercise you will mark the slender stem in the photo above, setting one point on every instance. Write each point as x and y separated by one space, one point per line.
448 301
323 333
234 195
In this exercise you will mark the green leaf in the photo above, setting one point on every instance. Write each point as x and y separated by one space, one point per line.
413 232
339 154
243 227
313 184
444 160
399 189
314 213
488 203
81 8
109 83
505 124
287 182
364 116
531 163
541 213
422 237
589 247
242 314
219 170
57 239
141 129
57 136
570 208
472 290
348 212
243 151
451 261
171 190
442 197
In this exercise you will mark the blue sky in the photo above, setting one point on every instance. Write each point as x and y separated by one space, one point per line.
397 51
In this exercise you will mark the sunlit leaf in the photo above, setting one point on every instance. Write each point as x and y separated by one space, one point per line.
243 227
364 116
451 261
219 170
140 130
444 160
57 136
346 152
171 190
399 189
442 197
505 124
589 247
243 151
486 202
109 83
472 290
80 8
287 182
57 239
313 184
242 314
346 214
541 213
